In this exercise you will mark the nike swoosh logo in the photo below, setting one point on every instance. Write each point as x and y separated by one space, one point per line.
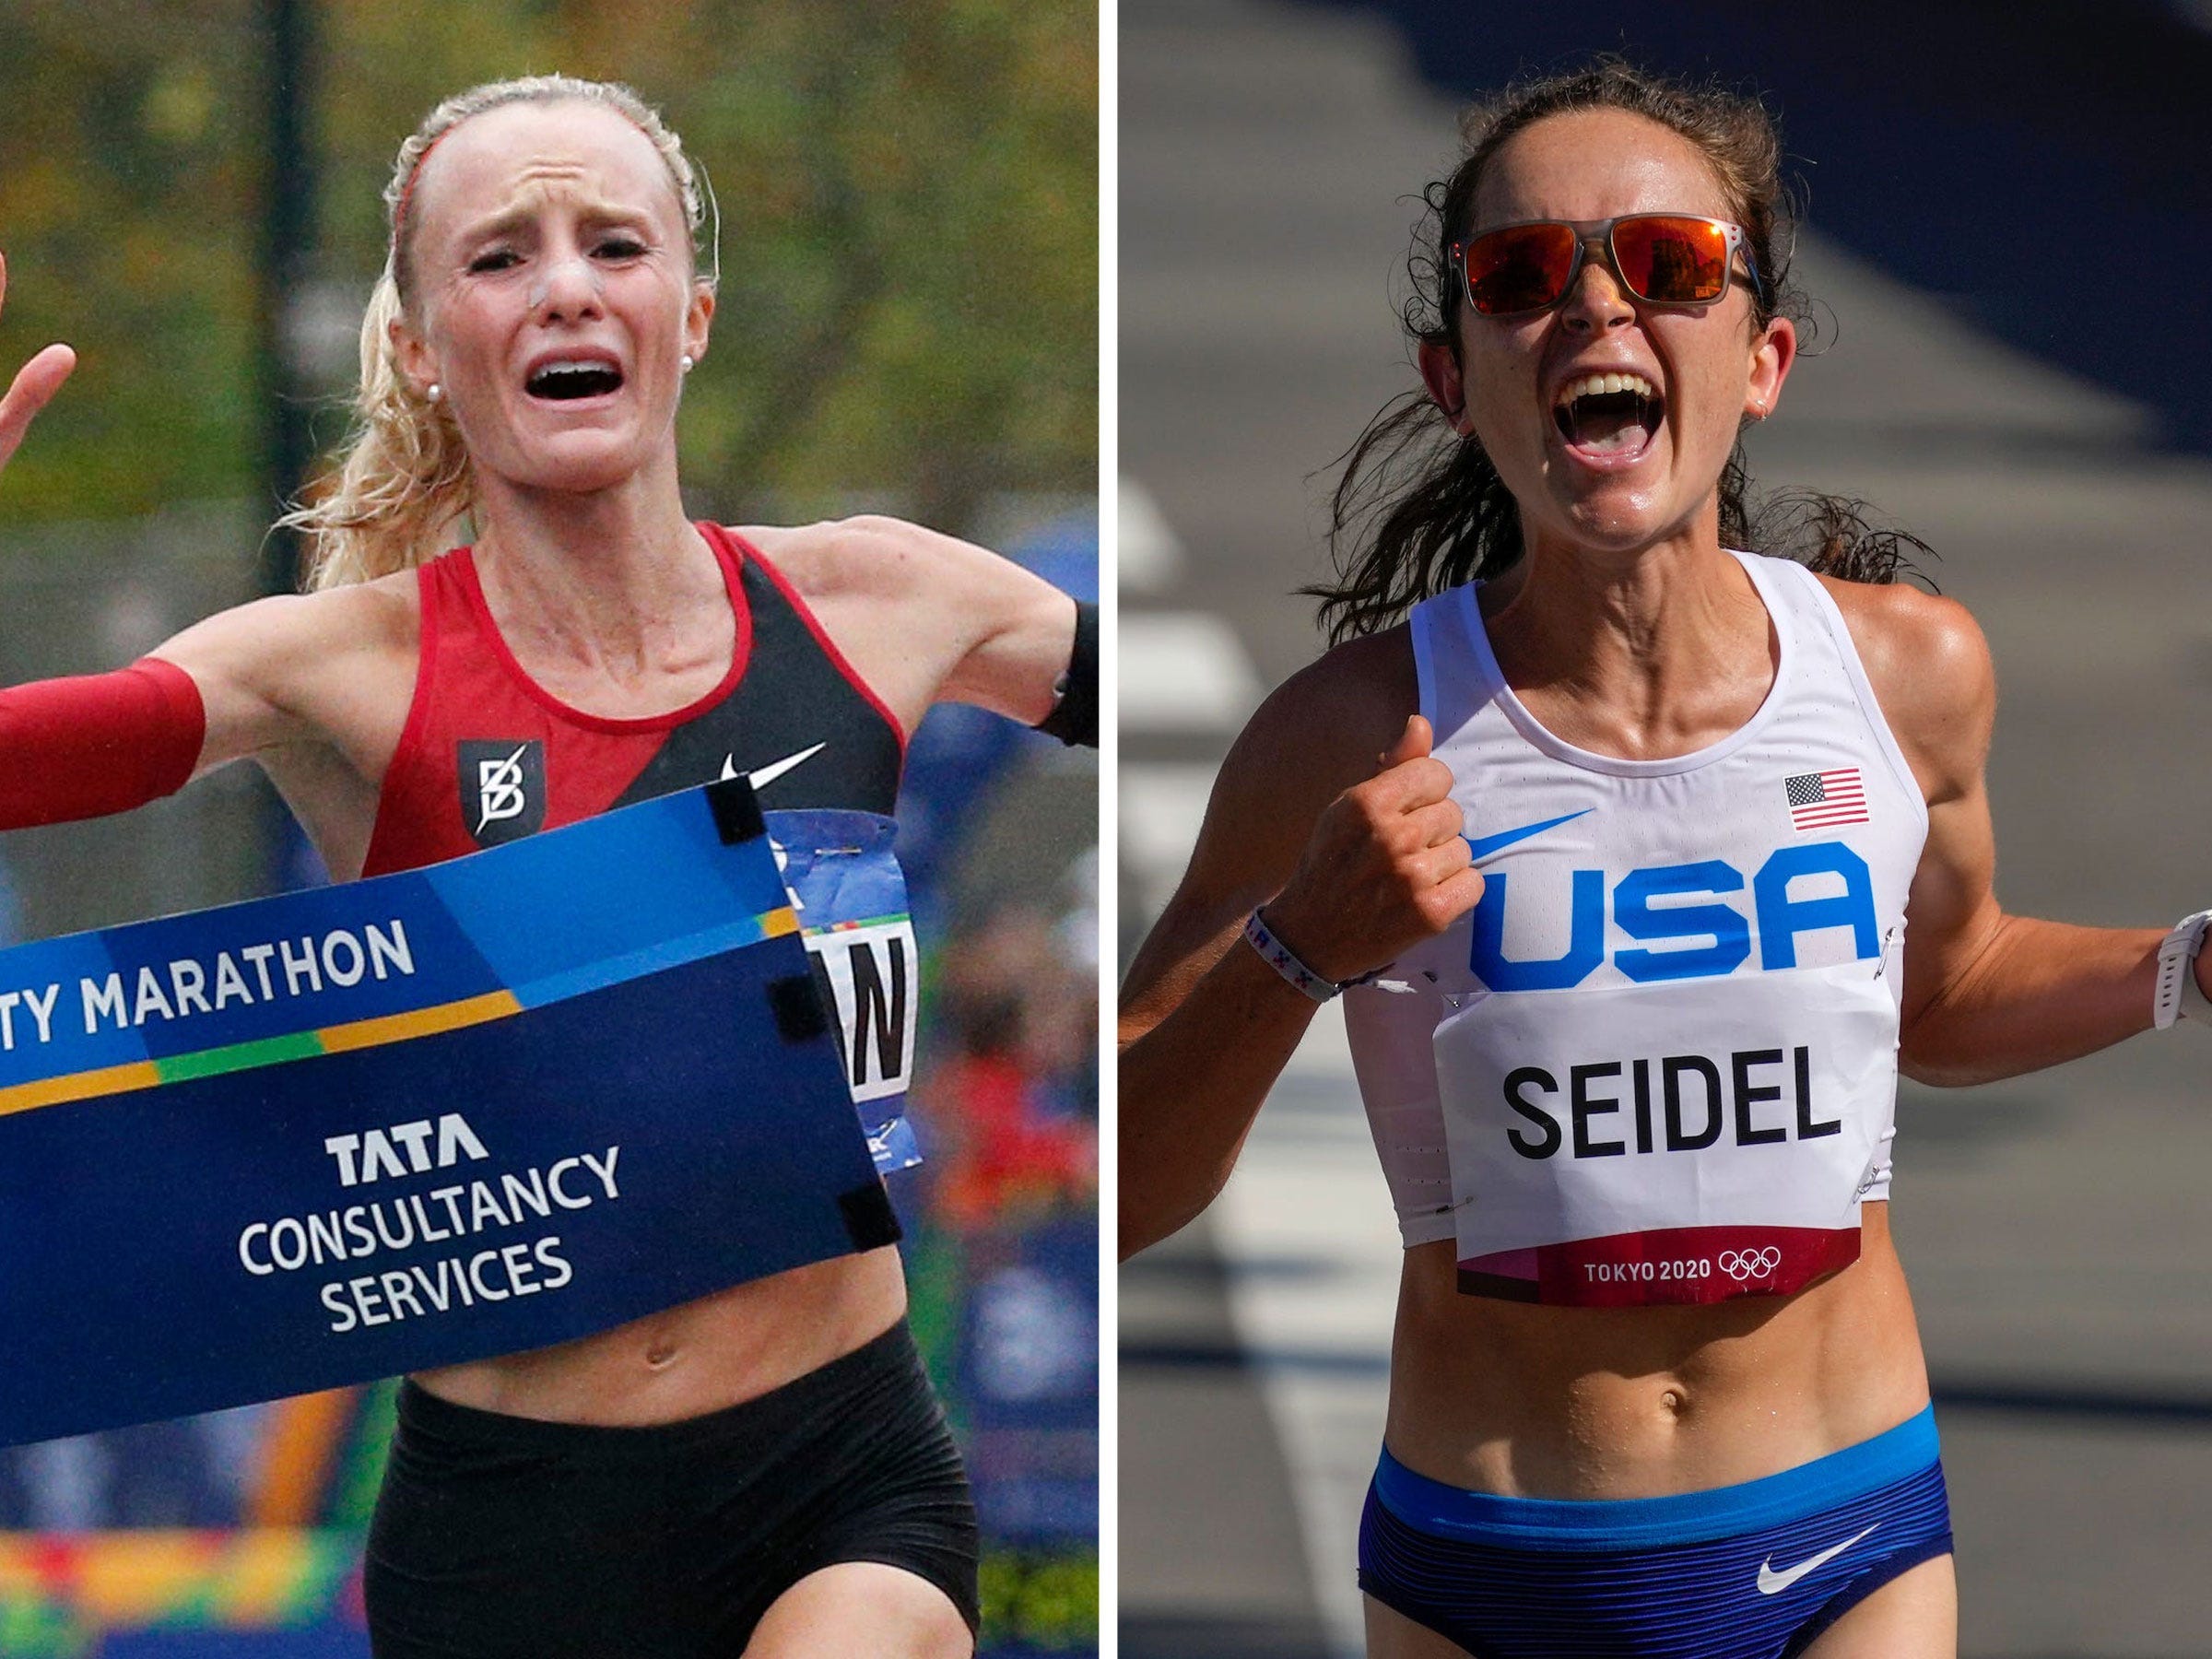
1506 837
763 776
1772 1582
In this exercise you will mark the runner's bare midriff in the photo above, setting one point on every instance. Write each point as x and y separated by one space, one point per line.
1582 1403
718 1351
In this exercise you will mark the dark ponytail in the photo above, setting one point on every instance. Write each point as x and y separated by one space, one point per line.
1421 509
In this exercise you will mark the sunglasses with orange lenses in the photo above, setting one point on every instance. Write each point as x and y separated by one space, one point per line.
1661 258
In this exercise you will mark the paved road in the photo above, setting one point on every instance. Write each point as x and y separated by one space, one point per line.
2056 1229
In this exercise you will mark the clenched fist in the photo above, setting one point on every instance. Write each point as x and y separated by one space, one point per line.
1385 867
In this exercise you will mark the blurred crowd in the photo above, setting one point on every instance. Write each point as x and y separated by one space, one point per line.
1010 1102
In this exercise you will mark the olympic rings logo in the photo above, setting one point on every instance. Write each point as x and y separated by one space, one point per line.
1743 1266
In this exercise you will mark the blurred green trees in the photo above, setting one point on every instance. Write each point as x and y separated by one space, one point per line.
908 194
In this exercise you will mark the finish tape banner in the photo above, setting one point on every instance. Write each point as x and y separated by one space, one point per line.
463 1111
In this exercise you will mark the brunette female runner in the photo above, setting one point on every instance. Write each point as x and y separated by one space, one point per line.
1630 880
764 1471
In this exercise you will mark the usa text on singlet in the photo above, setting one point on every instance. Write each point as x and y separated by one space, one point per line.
1658 1061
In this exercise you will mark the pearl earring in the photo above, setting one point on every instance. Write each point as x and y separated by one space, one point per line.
436 392
685 362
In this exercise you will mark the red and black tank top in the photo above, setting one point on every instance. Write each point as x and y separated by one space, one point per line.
487 755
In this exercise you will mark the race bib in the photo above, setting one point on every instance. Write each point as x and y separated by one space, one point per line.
1608 1148
849 896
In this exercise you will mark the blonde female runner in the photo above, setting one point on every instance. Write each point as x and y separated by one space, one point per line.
764 1471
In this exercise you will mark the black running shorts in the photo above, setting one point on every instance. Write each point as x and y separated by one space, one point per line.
497 1536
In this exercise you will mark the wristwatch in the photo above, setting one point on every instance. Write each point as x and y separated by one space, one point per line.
2177 991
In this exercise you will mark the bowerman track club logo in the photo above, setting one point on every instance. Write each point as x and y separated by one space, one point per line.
502 789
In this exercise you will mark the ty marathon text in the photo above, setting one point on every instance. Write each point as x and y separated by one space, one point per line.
188 985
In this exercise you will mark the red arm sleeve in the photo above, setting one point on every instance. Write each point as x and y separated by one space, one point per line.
96 744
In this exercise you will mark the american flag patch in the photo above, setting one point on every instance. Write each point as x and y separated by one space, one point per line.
1821 800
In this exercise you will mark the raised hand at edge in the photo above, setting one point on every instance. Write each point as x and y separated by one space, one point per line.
34 385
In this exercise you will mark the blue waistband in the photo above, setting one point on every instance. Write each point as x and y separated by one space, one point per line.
1687 1518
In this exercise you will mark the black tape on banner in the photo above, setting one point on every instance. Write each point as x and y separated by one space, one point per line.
870 1220
797 1001
736 810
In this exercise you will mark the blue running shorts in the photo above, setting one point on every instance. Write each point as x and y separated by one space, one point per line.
1749 1572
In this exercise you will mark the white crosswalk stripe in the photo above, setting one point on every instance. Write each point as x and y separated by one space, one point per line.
1184 671
1162 805
1150 557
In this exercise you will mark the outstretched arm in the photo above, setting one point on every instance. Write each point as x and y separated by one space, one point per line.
929 619
1357 856
1987 995
1022 633
247 682
267 679
1018 635
81 747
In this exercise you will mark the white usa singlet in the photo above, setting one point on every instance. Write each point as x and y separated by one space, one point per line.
1657 1063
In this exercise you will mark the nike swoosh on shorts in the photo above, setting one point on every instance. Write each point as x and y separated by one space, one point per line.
1506 837
1772 1582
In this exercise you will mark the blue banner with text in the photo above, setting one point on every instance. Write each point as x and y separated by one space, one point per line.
428 1117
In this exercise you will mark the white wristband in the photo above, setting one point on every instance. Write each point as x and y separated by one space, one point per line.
2177 992
1276 954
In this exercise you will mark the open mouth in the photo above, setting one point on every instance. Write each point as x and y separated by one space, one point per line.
566 381
1607 414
